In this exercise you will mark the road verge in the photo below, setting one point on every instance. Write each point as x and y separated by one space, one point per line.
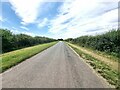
12 58
99 66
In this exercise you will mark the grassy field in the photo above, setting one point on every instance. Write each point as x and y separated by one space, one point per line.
14 57
100 66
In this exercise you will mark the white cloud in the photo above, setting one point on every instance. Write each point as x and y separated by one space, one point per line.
2 19
43 23
27 10
25 28
75 17
84 17
29 33
15 31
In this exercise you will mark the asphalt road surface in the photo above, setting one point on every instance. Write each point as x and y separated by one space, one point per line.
56 67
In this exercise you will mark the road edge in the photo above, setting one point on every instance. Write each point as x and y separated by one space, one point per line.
96 73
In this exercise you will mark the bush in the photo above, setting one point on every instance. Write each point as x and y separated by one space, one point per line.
12 41
108 42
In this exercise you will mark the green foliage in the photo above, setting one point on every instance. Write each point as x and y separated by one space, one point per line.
6 40
13 42
108 42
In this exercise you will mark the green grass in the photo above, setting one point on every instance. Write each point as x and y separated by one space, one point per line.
14 57
104 70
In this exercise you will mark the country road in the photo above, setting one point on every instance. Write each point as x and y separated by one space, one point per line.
56 67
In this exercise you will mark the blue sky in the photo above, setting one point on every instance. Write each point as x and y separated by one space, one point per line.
59 18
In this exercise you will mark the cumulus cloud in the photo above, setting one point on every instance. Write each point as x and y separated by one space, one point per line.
27 10
84 17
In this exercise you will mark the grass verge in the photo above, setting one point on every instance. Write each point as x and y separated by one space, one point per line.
104 70
107 59
14 57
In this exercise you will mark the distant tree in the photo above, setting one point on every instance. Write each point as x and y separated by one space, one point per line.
7 43
60 39
16 41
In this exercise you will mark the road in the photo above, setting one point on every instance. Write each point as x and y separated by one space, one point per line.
56 67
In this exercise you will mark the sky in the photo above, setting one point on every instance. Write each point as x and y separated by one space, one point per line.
59 18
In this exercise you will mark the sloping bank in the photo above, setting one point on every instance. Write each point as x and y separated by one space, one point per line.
101 67
14 57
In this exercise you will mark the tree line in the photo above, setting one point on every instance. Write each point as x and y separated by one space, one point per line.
107 42
12 41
